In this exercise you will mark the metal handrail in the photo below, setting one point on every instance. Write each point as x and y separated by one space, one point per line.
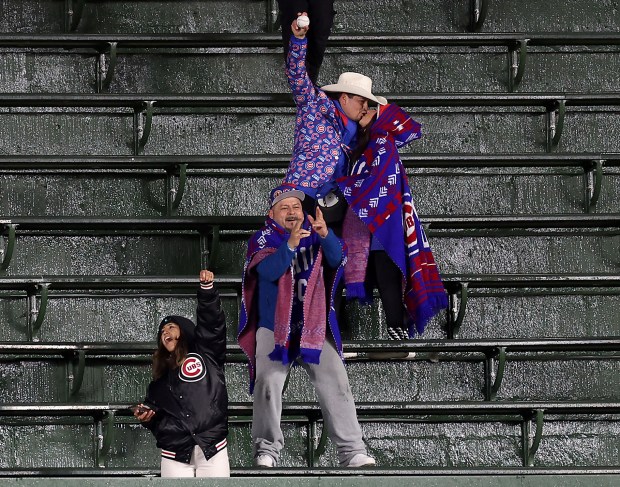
252 40
244 222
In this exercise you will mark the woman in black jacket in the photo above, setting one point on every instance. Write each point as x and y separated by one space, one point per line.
186 403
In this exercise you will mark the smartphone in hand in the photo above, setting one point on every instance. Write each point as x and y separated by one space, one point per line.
140 408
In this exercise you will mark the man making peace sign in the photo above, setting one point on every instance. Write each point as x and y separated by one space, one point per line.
292 267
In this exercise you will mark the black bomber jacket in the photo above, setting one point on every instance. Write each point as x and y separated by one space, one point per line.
191 402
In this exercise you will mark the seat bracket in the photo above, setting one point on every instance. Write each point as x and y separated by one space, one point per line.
74 9
205 260
215 245
174 194
143 123
529 451
491 390
37 308
320 447
76 375
105 437
477 14
593 179
105 70
271 14
517 56
8 246
209 247
555 124
456 311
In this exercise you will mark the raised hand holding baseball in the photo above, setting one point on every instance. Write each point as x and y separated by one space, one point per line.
299 25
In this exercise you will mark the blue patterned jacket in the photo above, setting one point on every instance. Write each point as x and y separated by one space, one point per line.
318 130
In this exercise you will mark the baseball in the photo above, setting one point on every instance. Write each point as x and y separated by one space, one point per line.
303 21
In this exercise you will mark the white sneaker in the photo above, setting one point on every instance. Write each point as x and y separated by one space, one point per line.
361 460
265 461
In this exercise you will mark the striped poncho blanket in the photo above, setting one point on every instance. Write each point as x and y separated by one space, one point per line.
380 204
318 304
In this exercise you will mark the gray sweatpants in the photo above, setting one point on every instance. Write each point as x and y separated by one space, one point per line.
331 384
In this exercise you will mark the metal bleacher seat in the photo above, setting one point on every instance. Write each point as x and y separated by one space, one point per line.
553 104
492 352
177 167
522 413
113 45
38 289
209 227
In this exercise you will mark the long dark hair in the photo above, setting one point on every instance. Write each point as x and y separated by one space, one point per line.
363 137
163 360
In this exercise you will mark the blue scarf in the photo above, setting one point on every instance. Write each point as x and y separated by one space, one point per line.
348 129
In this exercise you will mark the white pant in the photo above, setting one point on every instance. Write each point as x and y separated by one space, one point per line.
199 466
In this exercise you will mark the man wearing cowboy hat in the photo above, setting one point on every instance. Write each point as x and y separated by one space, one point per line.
327 123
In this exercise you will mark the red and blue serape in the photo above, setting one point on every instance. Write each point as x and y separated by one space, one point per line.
379 195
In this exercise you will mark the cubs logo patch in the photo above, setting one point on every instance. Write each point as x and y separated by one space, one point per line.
192 369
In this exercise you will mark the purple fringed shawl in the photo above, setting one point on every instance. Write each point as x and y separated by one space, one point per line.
380 204
262 244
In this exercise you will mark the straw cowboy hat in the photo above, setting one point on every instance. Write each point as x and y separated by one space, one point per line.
354 83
